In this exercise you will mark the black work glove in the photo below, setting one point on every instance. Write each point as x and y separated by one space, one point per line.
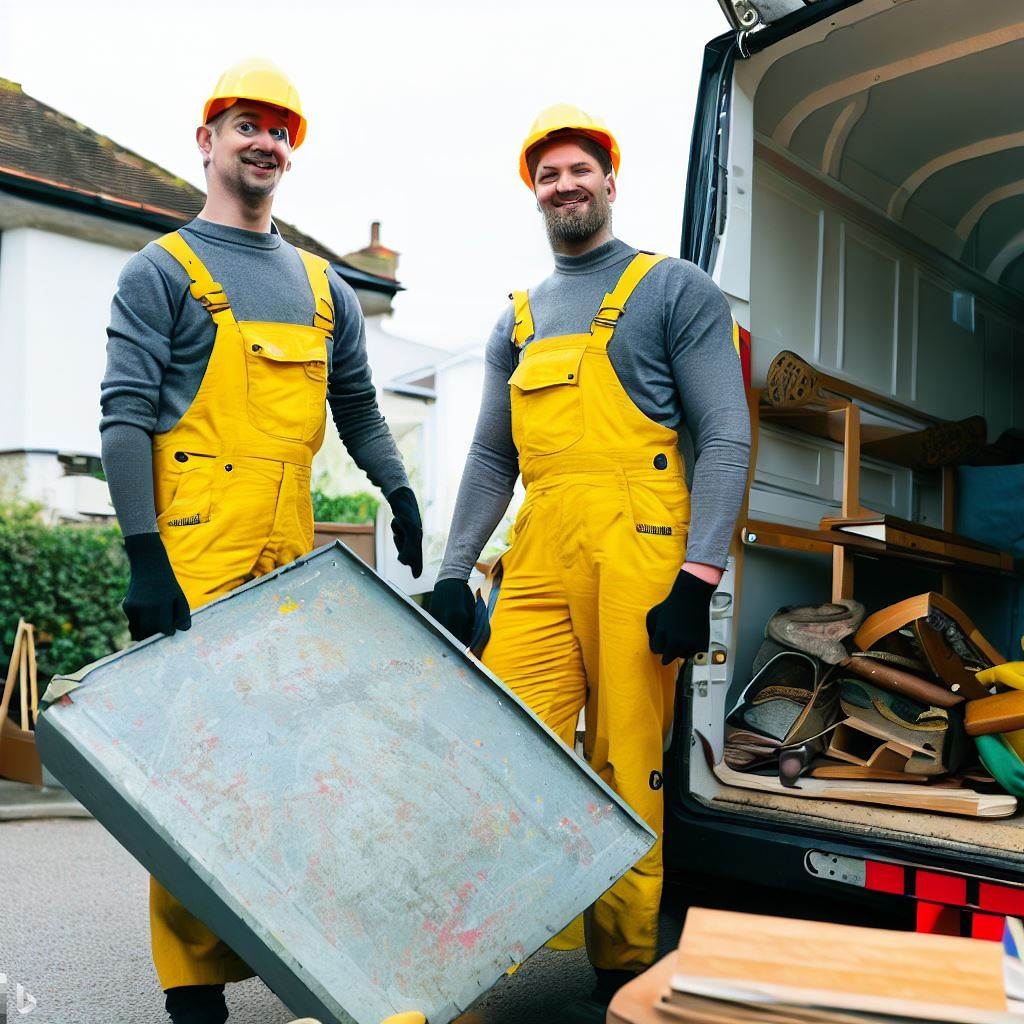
452 605
155 602
407 528
680 626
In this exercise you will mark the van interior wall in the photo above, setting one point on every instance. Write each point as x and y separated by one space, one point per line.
847 297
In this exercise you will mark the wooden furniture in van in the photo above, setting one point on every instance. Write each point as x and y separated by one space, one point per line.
834 414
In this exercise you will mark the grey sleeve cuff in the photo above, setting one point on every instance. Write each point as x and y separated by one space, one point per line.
127 453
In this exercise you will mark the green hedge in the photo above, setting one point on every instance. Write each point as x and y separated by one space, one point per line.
344 508
68 581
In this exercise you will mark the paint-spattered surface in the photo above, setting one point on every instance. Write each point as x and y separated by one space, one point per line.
359 809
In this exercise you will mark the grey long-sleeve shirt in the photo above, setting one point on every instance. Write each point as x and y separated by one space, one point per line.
160 339
673 354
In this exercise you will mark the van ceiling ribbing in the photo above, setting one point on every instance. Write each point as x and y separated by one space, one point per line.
914 108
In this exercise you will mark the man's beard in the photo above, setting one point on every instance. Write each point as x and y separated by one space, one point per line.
575 225
252 192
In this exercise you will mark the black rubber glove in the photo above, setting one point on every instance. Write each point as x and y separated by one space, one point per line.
680 626
452 605
407 528
155 602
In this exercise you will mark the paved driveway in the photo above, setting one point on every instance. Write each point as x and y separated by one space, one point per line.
74 933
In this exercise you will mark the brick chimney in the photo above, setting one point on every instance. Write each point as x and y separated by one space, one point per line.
375 258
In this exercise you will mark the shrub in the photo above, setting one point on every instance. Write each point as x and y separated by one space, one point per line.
344 508
68 581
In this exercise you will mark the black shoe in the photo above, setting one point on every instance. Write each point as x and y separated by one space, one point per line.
196 1004
593 1009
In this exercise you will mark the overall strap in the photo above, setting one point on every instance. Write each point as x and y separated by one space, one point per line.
522 330
614 305
316 271
201 284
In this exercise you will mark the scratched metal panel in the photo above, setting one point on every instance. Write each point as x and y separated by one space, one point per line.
361 811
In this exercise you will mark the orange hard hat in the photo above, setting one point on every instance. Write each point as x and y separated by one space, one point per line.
264 82
564 117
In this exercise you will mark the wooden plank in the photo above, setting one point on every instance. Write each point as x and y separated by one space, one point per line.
23 688
842 573
948 498
765 533
964 802
12 670
33 679
844 966
851 461
635 1003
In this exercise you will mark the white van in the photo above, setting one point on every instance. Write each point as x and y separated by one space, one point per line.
856 188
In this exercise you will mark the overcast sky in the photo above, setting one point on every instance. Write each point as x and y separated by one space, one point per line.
416 114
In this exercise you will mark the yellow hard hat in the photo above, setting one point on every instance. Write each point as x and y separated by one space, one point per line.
262 81
565 117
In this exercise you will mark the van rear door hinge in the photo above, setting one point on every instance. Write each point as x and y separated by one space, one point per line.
744 14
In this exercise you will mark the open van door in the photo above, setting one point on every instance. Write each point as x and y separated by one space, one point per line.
855 189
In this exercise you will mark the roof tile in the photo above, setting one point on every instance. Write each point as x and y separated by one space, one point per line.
41 143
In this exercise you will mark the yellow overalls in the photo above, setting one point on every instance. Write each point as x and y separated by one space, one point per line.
598 541
232 498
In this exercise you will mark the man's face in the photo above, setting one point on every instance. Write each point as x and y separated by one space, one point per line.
249 149
573 192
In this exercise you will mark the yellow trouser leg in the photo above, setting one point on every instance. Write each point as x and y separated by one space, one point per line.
569 628
258 521
534 652
628 713
613 576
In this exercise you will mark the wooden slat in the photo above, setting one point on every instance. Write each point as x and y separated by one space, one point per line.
849 966
966 802
802 538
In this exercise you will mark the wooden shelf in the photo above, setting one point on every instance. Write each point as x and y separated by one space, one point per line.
838 418
941 555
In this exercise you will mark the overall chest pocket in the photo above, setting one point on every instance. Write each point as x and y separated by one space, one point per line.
547 409
286 379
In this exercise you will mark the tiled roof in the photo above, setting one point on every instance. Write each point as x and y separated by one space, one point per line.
45 150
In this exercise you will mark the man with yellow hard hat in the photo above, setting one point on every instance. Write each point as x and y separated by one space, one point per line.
590 377
226 344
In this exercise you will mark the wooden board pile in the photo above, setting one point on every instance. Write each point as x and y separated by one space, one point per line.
735 968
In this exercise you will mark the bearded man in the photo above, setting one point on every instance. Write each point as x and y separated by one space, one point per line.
225 347
613 562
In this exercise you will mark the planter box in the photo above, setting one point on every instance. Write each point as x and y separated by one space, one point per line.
19 760
358 537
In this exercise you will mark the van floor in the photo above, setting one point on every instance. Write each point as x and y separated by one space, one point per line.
952 833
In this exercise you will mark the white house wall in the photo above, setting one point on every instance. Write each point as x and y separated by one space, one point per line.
459 391
55 296
14 316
